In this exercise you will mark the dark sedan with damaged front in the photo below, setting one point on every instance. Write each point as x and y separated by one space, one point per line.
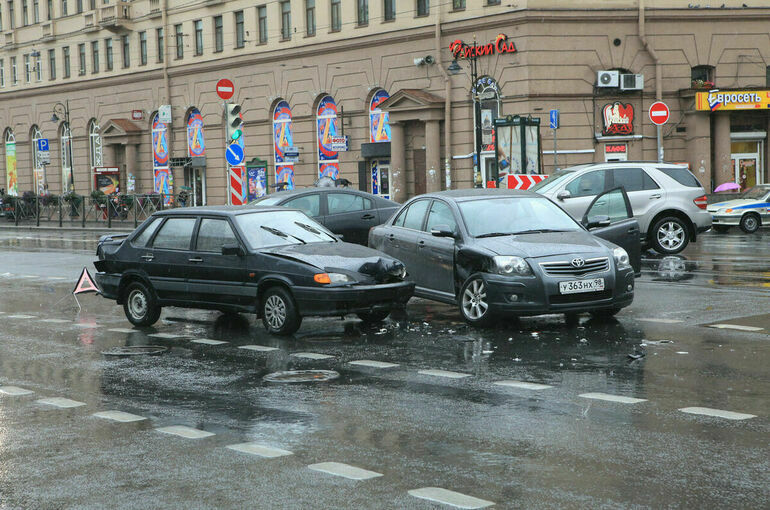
272 261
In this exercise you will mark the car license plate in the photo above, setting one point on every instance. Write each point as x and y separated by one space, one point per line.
575 286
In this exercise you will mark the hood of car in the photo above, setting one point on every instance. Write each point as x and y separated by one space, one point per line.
331 257
543 245
738 203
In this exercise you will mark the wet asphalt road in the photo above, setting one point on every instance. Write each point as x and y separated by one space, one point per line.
550 447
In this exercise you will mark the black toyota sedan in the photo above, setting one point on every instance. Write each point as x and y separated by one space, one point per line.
272 261
515 252
346 212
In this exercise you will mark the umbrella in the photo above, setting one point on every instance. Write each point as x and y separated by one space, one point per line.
727 187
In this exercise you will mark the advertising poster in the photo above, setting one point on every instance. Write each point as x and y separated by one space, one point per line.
196 145
328 162
257 181
159 143
282 138
379 125
516 166
504 149
163 183
108 183
532 149
487 131
12 180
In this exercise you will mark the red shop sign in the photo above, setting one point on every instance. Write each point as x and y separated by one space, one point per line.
615 148
461 49
618 119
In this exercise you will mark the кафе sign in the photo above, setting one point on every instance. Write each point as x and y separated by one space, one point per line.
732 100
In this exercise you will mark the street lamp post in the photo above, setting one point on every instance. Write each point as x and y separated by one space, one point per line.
454 68
62 110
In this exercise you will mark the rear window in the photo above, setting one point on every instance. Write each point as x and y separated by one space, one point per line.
681 175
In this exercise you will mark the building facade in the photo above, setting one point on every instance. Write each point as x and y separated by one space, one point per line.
96 79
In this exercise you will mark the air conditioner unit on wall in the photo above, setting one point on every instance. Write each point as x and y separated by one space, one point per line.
607 79
631 82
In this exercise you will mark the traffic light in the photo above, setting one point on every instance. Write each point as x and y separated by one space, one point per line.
233 122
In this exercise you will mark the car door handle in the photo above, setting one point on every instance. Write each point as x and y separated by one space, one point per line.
148 257
391 237
367 217
656 195
421 244
195 259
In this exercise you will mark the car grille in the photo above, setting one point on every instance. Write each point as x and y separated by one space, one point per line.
564 299
566 268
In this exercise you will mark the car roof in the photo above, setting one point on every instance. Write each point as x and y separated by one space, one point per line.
461 195
217 210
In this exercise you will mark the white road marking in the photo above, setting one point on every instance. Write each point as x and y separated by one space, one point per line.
682 352
56 278
524 385
28 276
707 411
208 341
122 330
86 326
168 336
258 348
451 498
311 355
344 470
736 327
119 416
21 316
613 398
260 450
373 364
444 373
15 391
186 432
56 321
662 321
63 403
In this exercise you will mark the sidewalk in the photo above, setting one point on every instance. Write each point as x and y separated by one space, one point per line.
91 226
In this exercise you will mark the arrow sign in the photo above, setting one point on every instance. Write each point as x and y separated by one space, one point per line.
225 89
659 113
234 154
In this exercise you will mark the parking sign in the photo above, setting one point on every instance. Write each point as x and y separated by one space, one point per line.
42 144
43 154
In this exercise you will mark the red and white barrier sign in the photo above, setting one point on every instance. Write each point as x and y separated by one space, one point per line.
236 185
524 181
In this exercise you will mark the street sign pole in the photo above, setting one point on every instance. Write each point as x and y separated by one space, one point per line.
555 127
660 144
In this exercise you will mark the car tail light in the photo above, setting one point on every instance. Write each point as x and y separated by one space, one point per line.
701 201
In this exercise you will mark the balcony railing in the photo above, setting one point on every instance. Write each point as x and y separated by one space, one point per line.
115 16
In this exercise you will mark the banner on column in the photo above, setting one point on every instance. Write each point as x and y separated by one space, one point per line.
236 185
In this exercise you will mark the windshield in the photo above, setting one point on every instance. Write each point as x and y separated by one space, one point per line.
279 228
756 192
514 215
553 181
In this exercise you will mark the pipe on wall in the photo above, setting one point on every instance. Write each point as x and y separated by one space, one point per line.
447 105
652 53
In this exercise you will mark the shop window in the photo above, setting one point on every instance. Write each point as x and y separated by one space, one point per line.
702 77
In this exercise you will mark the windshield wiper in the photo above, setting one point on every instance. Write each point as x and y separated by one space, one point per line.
495 234
540 231
313 230
280 233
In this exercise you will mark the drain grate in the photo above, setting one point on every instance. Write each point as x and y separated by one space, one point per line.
135 350
298 376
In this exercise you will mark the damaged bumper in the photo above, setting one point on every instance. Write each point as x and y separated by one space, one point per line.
351 299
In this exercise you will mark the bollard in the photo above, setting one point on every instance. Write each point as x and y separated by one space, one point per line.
83 215
60 213
37 210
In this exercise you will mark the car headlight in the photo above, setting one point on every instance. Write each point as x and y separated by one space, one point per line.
512 266
621 258
327 278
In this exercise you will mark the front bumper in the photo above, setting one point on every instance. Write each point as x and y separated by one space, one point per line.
539 294
351 299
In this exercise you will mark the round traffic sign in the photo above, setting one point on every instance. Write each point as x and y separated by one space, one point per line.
659 113
234 154
225 89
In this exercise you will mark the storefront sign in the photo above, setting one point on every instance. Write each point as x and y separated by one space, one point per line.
618 119
106 170
501 44
339 143
615 148
732 100
137 114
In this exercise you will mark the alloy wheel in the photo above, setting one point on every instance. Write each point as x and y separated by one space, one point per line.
275 311
475 300
671 235
137 304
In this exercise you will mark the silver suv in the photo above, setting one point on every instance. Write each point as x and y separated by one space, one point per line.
667 199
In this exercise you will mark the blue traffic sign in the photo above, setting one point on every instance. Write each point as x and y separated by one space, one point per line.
42 144
234 154
554 119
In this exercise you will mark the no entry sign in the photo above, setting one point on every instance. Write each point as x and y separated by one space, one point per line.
659 113
225 89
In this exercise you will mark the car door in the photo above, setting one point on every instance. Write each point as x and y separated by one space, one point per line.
623 228
308 203
166 259
402 237
437 253
644 194
582 191
214 277
349 215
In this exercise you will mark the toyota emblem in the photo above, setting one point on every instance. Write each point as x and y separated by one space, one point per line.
578 262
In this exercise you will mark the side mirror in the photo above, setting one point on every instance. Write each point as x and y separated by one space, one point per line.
442 231
597 221
232 249
564 194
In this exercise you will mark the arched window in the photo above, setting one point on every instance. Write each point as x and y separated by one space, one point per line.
379 124
66 158
94 144
327 128
283 139
11 177
38 168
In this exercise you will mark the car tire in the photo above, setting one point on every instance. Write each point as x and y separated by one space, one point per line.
279 312
721 229
605 314
750 223
373 317
473 302
669 235
140 305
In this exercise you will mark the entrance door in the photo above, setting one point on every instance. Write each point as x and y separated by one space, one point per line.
380 177
419 172
746 168
195 181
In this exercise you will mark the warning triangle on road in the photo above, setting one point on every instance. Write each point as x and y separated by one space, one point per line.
86 283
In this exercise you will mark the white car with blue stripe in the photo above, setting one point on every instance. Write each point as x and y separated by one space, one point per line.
749 211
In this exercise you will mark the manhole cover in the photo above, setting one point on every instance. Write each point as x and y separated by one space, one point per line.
295 376
135 350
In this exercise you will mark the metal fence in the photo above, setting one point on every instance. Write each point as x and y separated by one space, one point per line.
76 210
